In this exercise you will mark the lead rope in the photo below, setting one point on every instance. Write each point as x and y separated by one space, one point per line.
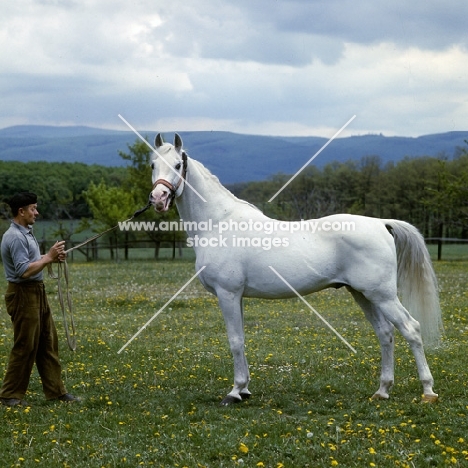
62 271
71 339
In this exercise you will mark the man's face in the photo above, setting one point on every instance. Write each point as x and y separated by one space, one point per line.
29 214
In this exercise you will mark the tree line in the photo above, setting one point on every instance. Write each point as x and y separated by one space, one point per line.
59 186
429 192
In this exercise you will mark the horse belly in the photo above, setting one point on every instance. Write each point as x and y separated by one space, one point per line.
283 273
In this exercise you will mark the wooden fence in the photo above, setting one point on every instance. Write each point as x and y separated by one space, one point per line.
104 250
172 248
440 241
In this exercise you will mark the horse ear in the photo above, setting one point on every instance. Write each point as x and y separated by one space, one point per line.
158 141
177 142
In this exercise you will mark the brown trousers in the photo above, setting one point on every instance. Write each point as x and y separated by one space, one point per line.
35 340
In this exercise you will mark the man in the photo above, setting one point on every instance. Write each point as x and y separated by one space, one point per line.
35 336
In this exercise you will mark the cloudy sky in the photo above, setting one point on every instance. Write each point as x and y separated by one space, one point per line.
275 67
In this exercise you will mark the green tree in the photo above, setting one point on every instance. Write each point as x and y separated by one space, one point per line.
448 199
367 198
138 173
109 205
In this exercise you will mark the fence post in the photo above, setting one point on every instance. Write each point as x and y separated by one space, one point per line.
95 250
126 245
173 245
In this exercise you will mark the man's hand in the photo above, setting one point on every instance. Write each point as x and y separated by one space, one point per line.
57 252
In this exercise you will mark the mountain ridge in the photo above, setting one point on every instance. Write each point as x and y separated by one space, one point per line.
232 157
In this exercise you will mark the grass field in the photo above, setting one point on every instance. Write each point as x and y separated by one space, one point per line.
157 403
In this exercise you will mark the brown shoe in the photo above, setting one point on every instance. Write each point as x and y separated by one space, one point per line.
13 402
68 398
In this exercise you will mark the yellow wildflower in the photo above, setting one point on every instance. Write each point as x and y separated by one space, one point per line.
243 448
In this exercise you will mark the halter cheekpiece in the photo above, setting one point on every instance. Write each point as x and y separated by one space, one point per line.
173 188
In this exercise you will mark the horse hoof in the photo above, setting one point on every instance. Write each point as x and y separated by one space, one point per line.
228 400
245 395
430 398
379 396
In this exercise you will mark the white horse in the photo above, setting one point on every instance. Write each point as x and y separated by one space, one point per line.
237 244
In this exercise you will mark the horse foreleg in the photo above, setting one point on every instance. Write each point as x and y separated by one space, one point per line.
232 308
384 331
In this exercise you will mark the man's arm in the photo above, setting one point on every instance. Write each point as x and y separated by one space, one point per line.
54 254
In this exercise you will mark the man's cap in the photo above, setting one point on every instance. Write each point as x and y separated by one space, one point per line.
22 199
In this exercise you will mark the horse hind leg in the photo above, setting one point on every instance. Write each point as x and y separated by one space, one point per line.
393 312
411 331
384 331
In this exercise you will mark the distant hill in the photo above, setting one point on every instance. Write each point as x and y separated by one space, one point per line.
232 157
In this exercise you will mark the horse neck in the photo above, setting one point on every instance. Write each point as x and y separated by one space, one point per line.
220 202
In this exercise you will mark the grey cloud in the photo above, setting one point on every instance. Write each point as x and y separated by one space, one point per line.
296 32
426 24
238 35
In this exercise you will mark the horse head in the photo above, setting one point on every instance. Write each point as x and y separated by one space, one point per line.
169 166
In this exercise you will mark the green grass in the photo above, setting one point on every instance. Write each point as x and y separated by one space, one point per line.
157 403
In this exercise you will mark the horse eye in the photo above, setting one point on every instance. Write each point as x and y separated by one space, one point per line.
178 166
152 166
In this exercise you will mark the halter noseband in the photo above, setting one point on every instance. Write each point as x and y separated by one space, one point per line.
173 188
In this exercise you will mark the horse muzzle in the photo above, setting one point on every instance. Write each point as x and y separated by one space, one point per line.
161 199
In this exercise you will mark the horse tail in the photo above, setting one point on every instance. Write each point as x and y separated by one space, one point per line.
416 280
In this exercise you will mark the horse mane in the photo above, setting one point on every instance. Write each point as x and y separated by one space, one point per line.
208 175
